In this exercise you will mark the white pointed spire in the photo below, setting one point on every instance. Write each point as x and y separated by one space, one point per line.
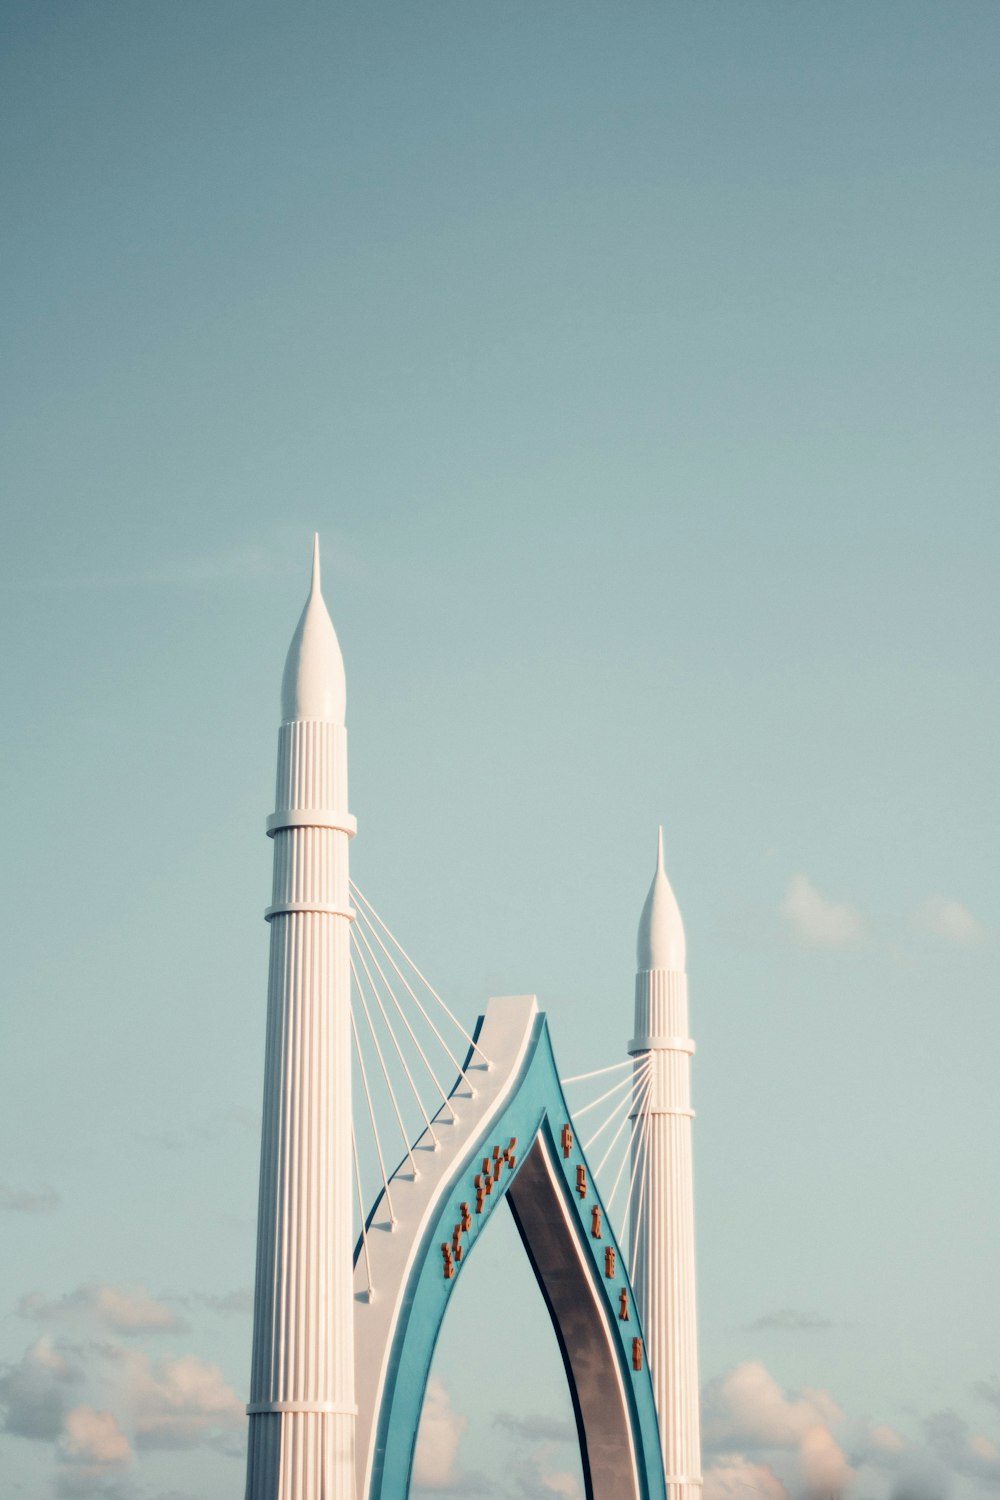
662 1237
661 942
302 1409
314 686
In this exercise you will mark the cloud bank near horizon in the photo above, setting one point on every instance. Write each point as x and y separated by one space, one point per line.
87 1389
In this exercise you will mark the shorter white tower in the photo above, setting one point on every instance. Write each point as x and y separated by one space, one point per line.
662 1229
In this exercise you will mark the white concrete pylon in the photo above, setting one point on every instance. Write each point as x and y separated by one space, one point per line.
302 1405
662 1227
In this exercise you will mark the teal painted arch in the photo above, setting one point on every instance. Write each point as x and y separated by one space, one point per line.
613 1402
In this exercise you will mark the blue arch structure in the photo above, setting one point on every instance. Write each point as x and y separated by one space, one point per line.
612 1400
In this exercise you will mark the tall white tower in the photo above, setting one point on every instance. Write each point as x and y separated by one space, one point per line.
662 1236
301 1444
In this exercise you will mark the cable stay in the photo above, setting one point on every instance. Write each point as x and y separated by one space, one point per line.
361 1210
426 982
599 1072
623 1151
636 1229
409 1050
623 1106
411 1057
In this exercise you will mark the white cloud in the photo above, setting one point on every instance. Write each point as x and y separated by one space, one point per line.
920 1477
961 1450
35 1392
27 1200
180 1403
815 920
542 1467
881 1440
237 1303
564 1484
120 1309
536 1428
128 1310
777 1444
746 1411
949 919
539 1442
94 1440
98 1402
747 1408
732 1476
824 1467
440 1432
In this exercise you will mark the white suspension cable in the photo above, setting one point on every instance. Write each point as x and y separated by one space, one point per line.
625 1103
371 1116
578 1114
393 939
639 1111
637 1159
413 996
643 1148
614 1068
361 1205
395 1041
638 1104
358 932
385 1071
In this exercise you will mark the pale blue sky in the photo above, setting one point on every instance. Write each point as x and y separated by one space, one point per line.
637 365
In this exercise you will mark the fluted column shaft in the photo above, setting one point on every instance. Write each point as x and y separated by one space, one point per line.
662 1229
301 1442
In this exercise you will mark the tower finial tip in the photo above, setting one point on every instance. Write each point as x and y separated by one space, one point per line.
661 942
313 686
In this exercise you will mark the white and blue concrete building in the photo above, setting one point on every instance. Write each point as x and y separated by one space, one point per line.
344 1333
